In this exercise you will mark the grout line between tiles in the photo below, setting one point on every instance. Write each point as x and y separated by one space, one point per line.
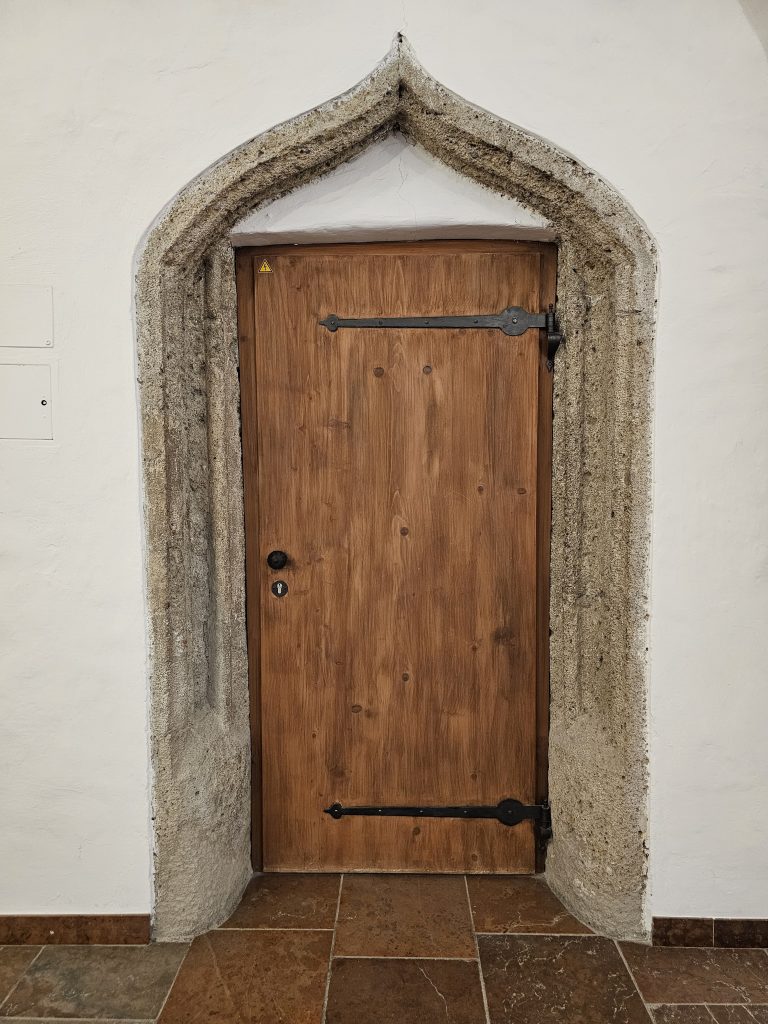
330 955
648 1011
477 953
540 935
22 975
452 959
633 980
264 928
159 1013
87 945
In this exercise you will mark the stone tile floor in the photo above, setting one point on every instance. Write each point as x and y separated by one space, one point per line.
389 949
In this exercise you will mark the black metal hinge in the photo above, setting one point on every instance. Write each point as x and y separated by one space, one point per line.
508 812
512 321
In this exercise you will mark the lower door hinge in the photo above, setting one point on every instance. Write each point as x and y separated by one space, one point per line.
508 812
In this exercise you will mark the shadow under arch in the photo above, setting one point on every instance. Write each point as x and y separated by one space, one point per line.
193 499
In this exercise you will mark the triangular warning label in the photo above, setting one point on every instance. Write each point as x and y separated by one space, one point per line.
265 268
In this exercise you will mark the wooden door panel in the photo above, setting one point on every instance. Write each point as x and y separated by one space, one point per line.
399 470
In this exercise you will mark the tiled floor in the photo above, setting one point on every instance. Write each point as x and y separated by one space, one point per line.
389 949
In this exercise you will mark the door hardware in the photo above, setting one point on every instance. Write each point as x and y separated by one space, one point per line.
512 321
279 588
277 559
508 812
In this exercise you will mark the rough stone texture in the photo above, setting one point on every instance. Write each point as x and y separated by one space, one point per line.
186 324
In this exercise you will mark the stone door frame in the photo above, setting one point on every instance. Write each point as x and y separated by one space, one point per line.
193 499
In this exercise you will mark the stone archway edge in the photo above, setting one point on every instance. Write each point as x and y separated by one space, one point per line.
190 430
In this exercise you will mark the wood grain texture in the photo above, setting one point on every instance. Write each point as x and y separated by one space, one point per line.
402 471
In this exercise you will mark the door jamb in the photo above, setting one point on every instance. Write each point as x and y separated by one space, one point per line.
547 295
245 261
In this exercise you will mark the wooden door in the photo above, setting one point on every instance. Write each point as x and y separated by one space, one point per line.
406 473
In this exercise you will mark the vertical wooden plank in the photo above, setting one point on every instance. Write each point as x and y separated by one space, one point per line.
246 331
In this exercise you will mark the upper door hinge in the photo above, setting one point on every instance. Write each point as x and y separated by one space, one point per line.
512 321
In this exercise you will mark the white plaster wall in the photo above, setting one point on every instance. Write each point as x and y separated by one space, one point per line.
106 111
393 190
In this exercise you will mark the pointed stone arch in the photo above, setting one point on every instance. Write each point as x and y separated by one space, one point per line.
193 500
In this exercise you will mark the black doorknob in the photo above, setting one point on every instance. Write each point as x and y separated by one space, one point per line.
277 559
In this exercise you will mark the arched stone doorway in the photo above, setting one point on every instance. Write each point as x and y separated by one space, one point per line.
189 397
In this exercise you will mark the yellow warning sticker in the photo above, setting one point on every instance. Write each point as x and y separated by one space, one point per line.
265 268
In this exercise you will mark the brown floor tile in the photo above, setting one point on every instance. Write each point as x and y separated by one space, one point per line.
760 1013
734 932
683 931
560 980
14 960
665 974
405 992
671 1014
96 981
404 915
252 977
519 904
732 1014
288 901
